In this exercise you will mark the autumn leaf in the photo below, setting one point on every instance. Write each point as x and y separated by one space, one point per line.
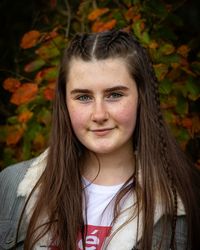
186 122
170 117
39 142
168 101
101 26
139 30
24 94
161 70
44 117
183 50
49 92
97 13
132 14
34 65
195 125
11 84
25 116
30 39
48 51
14 134
50 35
153 45
167 49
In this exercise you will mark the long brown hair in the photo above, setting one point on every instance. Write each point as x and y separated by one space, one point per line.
165 171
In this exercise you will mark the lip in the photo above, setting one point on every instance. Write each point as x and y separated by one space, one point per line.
103 131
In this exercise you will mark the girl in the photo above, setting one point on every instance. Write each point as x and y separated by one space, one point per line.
113 177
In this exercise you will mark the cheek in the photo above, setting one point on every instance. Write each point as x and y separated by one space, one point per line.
127 114
77 117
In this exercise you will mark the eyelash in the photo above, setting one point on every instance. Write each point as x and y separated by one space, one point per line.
86 98
111 96
115 95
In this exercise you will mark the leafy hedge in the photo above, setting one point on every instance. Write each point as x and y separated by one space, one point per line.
32 89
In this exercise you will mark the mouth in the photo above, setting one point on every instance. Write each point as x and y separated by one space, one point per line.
102 131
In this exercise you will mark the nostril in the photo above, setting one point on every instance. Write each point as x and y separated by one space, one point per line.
100 117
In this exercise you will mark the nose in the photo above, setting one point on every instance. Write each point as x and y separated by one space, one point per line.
100 113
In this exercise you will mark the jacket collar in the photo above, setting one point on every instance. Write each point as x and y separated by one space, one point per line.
124 239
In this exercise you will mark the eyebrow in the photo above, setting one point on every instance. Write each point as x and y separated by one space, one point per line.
87 91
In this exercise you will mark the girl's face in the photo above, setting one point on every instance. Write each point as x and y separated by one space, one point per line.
102 101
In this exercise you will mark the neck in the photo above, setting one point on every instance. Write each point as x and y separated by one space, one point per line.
109 169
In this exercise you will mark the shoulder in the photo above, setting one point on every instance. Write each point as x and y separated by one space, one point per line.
9 182
21 176
162 229
11 205
11 176
16 183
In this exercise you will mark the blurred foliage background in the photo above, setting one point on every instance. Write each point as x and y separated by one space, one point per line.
35 34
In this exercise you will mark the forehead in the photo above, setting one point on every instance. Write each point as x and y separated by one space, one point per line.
98 71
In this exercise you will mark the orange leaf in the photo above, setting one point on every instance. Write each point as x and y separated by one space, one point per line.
183 50
100 26
153 45
195 125
24 94
14 135
132 14
49 92
161 70
11 84
97 13
187 122
25 116
30 39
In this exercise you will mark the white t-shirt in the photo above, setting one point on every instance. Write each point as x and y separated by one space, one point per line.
100 202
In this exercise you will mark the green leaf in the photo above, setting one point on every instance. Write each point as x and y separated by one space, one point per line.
161 70
165 86
34 65
140 33
48 51
12 120
174 58
193 89
44 116
183 134
182 106
8 156
155 7
51 74
167 49
180 133
169 116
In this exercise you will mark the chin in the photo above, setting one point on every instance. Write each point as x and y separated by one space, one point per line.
103 151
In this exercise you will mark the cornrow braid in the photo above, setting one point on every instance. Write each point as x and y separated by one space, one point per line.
163 148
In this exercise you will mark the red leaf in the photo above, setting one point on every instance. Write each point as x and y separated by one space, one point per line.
97 13
24 94
101 26
25 116
11 84
30 39
14 135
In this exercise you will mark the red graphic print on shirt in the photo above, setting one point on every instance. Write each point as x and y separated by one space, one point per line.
95 237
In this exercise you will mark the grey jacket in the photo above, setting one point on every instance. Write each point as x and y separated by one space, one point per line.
11 205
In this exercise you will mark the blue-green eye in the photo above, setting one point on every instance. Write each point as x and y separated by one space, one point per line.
114 95
83 98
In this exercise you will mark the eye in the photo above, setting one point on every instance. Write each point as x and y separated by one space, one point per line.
114 95
83 98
